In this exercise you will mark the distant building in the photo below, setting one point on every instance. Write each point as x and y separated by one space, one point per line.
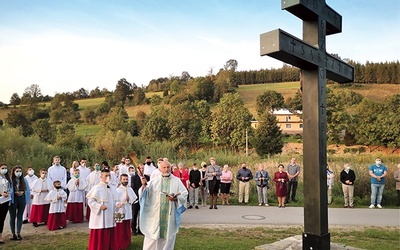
289 122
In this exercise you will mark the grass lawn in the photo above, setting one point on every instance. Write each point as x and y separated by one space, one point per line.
227 238
93 102
85 129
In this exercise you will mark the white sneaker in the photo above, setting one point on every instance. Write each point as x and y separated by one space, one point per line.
372 206
266 205
259 204
379 206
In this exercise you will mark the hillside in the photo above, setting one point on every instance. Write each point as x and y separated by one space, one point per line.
250 92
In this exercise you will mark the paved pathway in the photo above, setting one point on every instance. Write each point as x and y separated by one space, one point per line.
251 216
260 215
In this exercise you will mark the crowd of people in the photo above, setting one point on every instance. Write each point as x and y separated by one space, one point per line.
124 200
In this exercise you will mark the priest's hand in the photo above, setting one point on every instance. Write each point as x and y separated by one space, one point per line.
170 198
119 205
103 207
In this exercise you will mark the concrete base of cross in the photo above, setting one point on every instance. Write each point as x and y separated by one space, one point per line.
295 243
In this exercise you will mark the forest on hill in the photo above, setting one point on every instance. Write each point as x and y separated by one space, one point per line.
183 114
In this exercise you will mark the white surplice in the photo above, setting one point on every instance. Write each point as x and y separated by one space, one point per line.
38 196
150 209
56 205
76 192
102 194
123 193
93 179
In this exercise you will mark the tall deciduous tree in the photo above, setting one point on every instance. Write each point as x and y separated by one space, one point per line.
230 121
44 130
123 90
267 138
268 101
15 100
156 125
184 124
17 118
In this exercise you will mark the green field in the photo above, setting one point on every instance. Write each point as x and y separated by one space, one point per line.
249 94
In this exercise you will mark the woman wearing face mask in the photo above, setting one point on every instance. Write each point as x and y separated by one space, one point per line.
5 186
20 196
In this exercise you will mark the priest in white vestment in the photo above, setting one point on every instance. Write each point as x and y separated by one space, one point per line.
102 200
40 207
162 202
126 197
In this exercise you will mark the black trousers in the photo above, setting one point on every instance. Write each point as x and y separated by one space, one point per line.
3 213
398 197
135 217
292 187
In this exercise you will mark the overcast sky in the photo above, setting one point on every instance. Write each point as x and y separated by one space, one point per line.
66 45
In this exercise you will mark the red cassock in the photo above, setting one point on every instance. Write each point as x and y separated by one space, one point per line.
39 213
102 239
56 221
123 234
75 212
87 213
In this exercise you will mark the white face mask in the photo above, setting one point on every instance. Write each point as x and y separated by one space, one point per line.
3 171
31 172
18 174
348 168
378 163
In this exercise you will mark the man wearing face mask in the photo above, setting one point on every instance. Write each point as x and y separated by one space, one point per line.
76 187
244 175
30 177
149 166
40 207
92 180
347 178
103 201
378 174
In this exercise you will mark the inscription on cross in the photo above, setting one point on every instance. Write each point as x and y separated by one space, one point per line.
309 54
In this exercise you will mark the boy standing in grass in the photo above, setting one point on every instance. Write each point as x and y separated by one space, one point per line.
57 198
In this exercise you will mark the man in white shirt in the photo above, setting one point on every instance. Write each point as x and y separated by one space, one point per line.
57 173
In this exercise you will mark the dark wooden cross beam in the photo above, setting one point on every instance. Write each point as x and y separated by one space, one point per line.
309 54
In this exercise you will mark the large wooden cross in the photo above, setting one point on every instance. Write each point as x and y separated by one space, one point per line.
317 65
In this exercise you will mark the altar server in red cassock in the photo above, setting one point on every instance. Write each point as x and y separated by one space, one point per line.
40 207
57 198
126 197
76 198
103 201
